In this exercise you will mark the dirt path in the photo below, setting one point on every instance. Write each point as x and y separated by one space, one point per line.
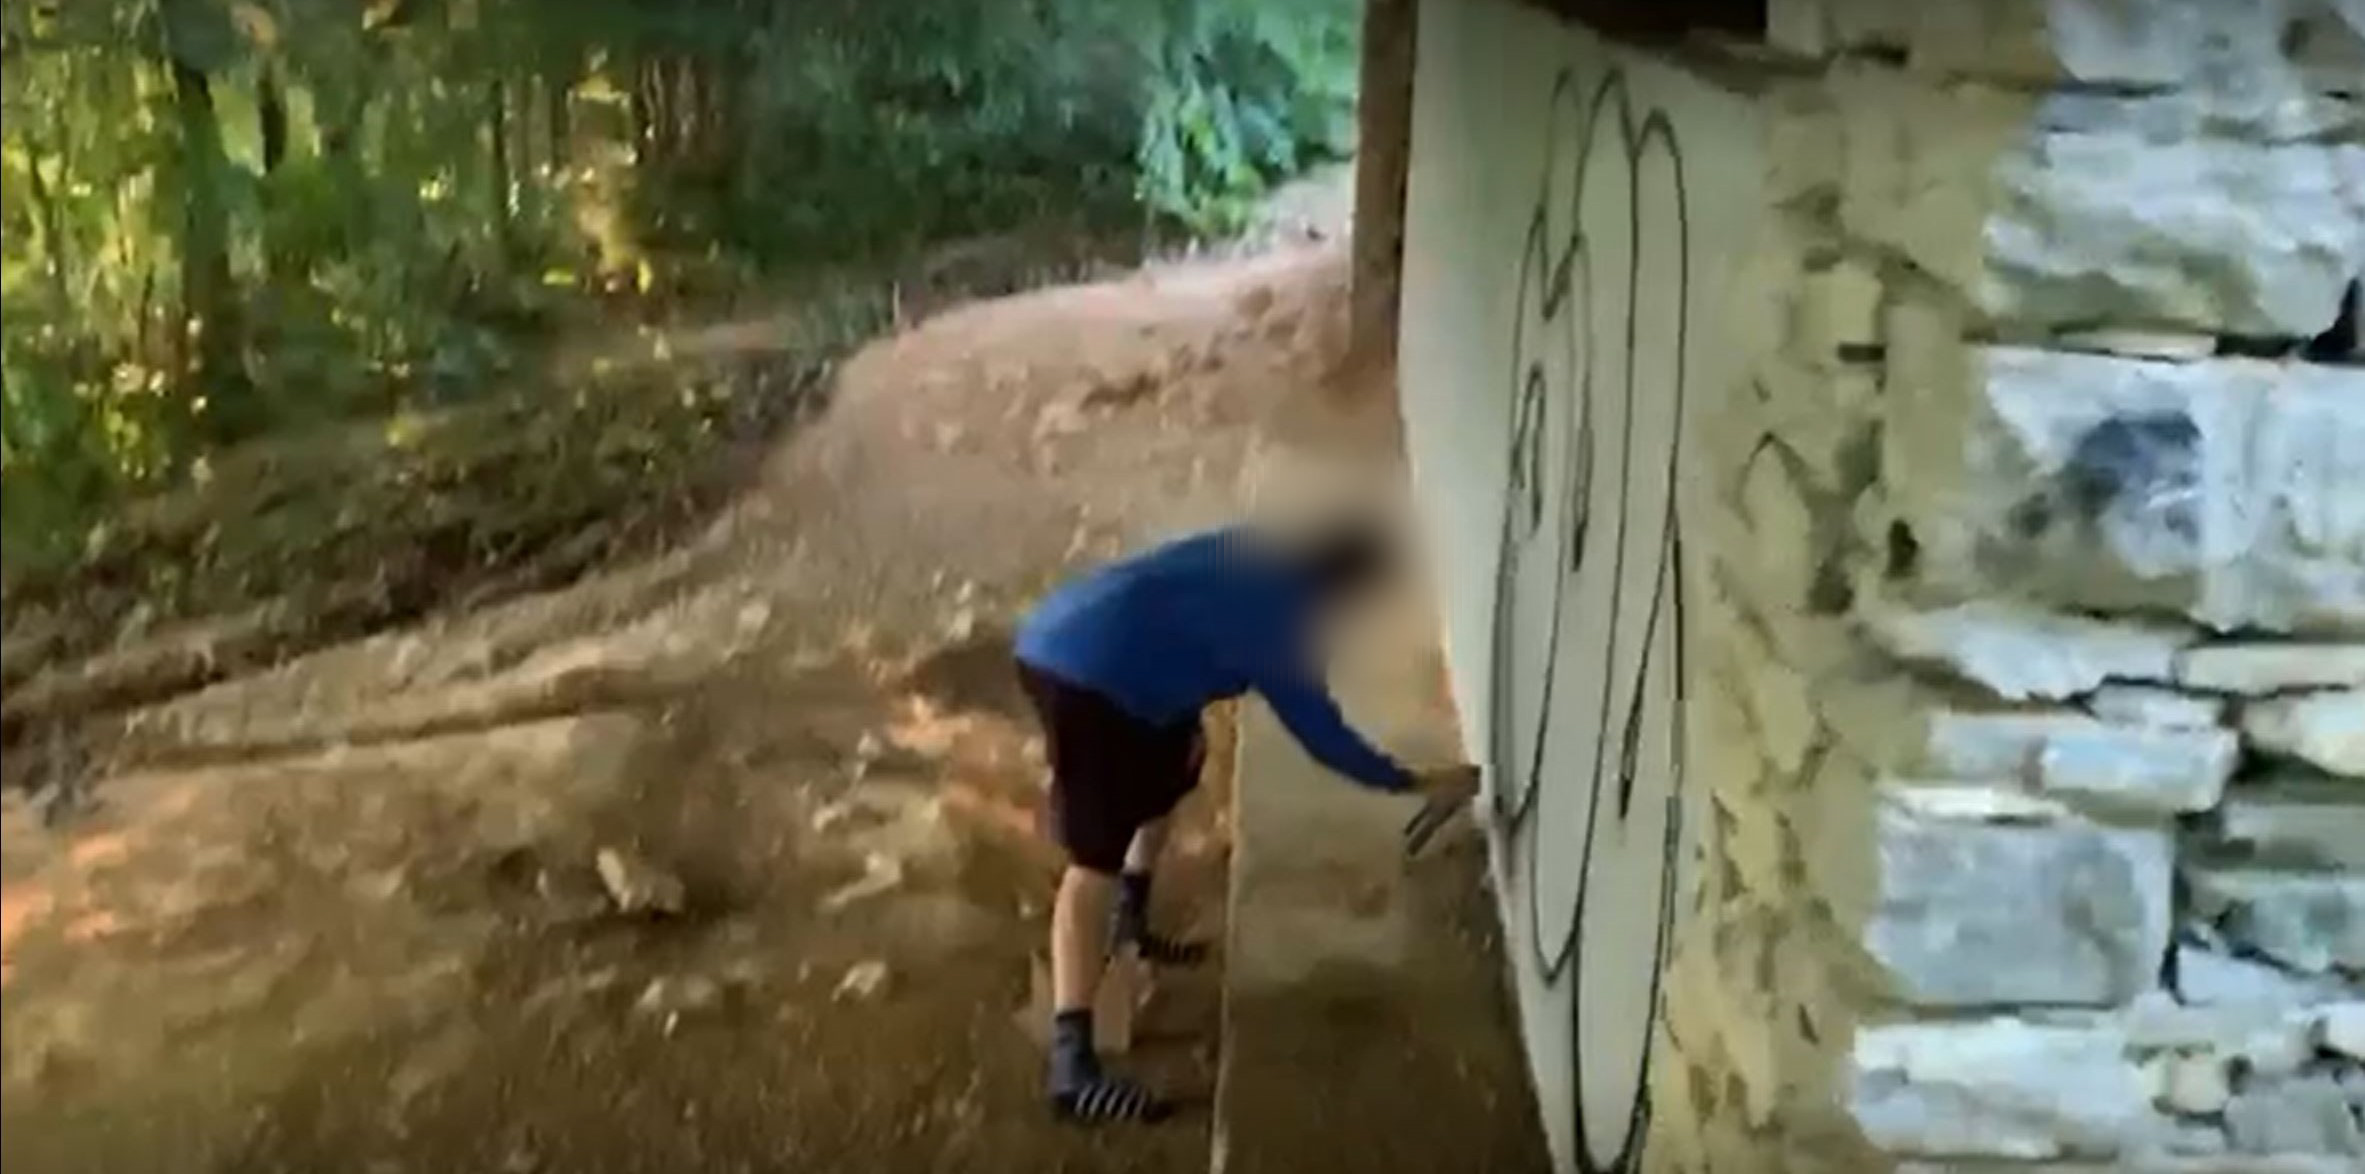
348 915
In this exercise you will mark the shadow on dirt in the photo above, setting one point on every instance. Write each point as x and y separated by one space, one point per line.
977 674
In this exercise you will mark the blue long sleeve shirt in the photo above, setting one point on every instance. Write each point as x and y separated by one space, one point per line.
1167 631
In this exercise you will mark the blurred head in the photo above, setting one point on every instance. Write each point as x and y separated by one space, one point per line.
1346 558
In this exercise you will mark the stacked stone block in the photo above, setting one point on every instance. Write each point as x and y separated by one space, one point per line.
2032 703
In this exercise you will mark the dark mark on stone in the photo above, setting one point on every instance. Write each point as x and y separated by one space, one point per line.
2145 464
2340 342
2256 346
2032 517
1904 553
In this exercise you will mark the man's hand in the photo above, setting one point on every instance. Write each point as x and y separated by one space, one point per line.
1445 792
1457 781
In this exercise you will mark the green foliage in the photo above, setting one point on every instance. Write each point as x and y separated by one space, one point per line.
917 122
1244 94
221 219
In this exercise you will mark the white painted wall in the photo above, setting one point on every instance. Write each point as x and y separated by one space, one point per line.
1545 420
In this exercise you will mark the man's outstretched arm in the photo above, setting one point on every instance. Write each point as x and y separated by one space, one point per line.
1312 716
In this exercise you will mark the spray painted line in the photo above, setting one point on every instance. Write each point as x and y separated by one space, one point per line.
1588 635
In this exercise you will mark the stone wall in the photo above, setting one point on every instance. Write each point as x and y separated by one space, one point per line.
2029 673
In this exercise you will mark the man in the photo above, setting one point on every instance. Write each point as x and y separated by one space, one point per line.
1119 664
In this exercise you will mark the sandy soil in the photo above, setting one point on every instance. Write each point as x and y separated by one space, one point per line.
349 914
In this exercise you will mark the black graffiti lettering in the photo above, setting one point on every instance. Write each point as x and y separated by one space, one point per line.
1527 454
1588 636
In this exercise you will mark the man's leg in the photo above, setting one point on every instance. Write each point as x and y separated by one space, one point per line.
1091 747
1080 1091
1080 936
1149 843
1132 921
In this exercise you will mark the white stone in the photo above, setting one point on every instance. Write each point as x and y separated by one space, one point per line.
2074 756
1780 705
2140 344
2276 1036
1995 745
1925 197
2326 729
2342 1029
2155 708
1997 1089
1837 305
1753 841
2214 1162
2294 1116
2210 978
2308 921
2021 652
2214 234
1972 802
2261 118
2271 666
2081 910
2280 1050
1782 532
2196 1150
2193 1085
2231 491
2297 819
2137 769
1803 145
1882 719
2249 45
2302 509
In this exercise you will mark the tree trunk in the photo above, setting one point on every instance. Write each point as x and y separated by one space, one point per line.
271 119
557 94
211 351
497 143
648 112
47 223
284 264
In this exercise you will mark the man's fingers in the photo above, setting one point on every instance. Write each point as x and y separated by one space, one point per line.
1426 822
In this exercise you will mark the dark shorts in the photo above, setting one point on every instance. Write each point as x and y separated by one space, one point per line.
1111 772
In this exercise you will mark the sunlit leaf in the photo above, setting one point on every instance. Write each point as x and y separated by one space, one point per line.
403 429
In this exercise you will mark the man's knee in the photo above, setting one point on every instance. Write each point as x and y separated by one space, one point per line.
1089 880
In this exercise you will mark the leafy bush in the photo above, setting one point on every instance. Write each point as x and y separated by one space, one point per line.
1243 95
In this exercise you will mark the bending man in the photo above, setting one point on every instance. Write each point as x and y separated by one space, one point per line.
1119 664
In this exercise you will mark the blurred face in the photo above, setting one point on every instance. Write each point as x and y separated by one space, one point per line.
1359 592
1355 581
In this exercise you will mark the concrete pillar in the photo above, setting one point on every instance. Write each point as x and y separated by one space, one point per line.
1901 512
1383 149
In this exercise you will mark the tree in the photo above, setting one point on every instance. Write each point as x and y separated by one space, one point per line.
195 40
222 218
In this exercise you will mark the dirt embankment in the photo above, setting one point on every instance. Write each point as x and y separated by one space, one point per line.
723 862
635 426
